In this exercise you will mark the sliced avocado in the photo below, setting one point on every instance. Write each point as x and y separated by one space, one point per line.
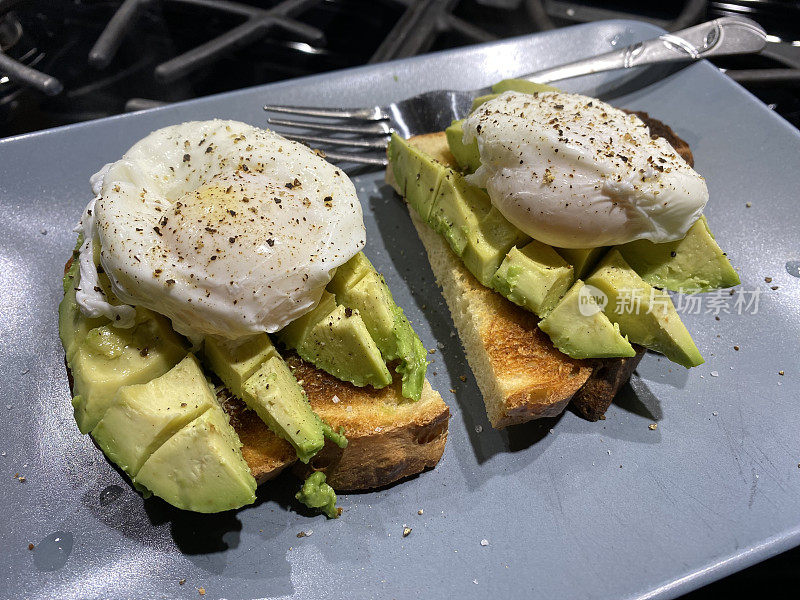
417 175
201 467
337 341
581 259
142 417
693 264
512 85
644 314
359 286
234 361
489 245
457 210
534 277
294 334
236 364
522 85
467 155
341 345
349 274
109 358
317 494
578 327
480 100
463 214
474 229
276 397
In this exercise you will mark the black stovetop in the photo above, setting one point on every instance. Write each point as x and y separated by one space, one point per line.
156 51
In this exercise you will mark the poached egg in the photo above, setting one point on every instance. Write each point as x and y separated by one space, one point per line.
225 228
574 172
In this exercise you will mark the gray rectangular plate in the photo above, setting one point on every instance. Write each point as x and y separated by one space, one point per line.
570 509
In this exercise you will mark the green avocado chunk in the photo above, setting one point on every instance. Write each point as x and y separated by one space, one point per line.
473 227
235 361
644 314
534 277
464 215
512 85
581 259
481 100
578 327
335 339
254 371
357 285
201 467
276 397
142 417
457 210
109 358
295 333
317 494
417 175
693 264
522 85
467 155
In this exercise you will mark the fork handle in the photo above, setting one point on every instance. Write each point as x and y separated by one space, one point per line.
723 36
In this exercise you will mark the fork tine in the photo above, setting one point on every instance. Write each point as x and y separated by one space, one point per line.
375 128
368 114
352 142
356 158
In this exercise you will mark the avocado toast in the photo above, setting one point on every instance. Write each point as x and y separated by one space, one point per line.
199 418
518 304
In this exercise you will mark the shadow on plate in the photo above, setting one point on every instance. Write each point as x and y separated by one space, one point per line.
147 520
635 397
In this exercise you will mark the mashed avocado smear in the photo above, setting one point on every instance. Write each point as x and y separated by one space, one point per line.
315 493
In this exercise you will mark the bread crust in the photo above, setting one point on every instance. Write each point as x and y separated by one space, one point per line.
390 437
608 376
520 374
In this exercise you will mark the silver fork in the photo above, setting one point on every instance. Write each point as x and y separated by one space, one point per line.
364 132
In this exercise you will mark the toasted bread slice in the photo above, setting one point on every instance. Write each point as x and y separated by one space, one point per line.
519 372
389 436
608 376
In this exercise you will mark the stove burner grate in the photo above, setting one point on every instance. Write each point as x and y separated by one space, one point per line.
258 23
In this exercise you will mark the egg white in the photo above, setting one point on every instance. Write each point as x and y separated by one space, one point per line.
575 172
225 228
